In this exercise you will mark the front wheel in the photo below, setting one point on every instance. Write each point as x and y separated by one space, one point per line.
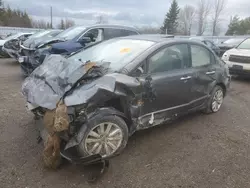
106 135
215 102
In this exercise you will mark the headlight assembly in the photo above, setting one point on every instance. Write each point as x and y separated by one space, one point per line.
225 57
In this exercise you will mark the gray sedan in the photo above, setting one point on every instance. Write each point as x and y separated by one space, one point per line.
108 91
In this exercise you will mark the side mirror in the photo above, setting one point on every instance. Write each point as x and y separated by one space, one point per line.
138 72
85 40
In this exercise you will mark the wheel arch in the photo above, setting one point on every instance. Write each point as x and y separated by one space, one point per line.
120 105
223 86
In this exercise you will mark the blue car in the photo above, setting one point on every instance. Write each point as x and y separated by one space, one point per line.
69 41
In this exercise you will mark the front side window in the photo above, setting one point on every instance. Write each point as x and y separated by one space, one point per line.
170 58
95 35
200 56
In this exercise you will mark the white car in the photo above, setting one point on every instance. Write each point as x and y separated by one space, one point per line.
11 43
238 59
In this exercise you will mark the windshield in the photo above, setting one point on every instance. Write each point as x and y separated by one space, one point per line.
52 33
245 44
13 36
71 32
232 41
40 34
118 52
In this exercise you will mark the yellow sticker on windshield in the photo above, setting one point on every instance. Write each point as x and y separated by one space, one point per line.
125 50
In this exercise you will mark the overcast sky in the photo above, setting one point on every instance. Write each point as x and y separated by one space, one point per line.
130 12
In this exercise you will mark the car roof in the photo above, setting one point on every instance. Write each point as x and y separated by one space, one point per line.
112 26
150 37
161 38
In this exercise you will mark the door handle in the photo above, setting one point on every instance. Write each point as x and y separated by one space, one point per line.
186 78
211 72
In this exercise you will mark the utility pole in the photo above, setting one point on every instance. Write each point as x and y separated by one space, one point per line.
51 24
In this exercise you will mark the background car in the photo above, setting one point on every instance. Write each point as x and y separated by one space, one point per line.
12 41
229 44
123 85
12 44
39 38
69 41
238 59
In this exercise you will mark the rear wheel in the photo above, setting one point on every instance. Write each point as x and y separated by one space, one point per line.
107 136
215 102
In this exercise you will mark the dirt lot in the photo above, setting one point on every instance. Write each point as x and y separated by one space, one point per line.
196 151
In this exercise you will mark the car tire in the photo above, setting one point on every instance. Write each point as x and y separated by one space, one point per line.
90 134
215 101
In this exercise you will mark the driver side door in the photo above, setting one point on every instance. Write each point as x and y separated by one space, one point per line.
171 80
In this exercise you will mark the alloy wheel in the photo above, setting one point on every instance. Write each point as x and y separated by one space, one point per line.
104 139
217 100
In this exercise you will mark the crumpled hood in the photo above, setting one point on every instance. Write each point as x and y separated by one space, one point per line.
239 52
49 82
35 42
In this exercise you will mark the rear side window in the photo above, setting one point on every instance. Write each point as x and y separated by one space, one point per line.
200 56
113 32
128 32
110 33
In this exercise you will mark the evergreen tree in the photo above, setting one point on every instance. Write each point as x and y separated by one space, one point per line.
171 19
233 25
238 27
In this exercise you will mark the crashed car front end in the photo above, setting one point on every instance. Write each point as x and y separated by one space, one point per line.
32 57
12 48
65 99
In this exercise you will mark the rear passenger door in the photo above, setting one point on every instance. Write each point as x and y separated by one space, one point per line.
204 73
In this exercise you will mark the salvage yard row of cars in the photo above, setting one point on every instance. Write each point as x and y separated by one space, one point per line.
91 88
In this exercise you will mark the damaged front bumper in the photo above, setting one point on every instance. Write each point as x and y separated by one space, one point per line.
69 154
29 61
12 53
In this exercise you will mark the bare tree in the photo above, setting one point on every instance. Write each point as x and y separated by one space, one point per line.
218 6
203 10
41 24
101 20
186 18
69 23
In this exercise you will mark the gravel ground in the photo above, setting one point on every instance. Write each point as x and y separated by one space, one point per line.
195 151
